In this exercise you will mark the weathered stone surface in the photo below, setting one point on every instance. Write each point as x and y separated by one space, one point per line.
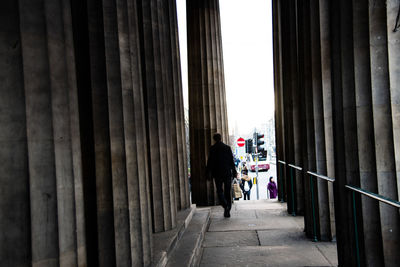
237 239
263 256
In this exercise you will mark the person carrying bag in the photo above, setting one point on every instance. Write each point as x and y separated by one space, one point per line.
237 192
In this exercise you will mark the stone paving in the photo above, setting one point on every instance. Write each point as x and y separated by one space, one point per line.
261 233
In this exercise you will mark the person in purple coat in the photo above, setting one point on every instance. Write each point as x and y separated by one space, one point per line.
273 190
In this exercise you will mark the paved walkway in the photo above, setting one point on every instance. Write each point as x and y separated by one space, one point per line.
261 233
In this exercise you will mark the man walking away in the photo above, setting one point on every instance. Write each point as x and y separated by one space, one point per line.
221 166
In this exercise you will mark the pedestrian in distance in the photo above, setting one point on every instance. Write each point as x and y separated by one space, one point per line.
246 184
273 190
221 167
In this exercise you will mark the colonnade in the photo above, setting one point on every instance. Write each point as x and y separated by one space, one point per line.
337 114
93 158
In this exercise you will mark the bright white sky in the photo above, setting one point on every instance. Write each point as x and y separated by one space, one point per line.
248 62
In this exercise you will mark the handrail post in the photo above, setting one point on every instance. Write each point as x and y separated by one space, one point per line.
291 183
356 228
313 209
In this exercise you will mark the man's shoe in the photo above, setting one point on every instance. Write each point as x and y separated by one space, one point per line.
227 213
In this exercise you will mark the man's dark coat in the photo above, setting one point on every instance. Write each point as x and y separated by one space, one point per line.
220 162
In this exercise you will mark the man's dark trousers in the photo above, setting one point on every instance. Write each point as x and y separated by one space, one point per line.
224 188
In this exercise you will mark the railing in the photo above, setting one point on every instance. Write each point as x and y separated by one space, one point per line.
350 187
281 182
323 177
378 197
291 185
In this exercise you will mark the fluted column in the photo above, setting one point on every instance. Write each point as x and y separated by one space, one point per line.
345 133
181 181
207 101
291 95
50 156
117 137
322 194
383 130
14 174
101 135
393 47
279 106
365 134
135 133
325 31
305 94
161 94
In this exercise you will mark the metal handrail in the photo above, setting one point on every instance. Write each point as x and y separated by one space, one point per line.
381 198
354 189
295 167
378 197
329 179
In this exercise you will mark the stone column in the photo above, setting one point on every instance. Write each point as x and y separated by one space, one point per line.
383 130
59 82
117 136
134 133
14 174
345 133
207 103
158 95
49 83
365 134
322 195
75 133
289 69
83 106
279 107
325 31
101 135
393 45
182 186
305 95
43 190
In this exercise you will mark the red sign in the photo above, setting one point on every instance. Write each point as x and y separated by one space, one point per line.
241 142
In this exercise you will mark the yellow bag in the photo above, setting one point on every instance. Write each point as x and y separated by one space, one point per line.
237 192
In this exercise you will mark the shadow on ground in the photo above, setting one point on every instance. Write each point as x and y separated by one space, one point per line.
261 233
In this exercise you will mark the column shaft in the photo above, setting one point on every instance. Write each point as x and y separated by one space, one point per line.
117 137
101 136
289 68
61 133
207 101
279 107
365 134
318 114
383 129
393 37
305 95
325 31
135 134
183 190
345 134
75 134
43 188
14 174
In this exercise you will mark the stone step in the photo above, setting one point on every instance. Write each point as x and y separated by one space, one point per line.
164 243
188 249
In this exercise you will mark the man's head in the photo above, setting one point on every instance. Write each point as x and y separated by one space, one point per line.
217 137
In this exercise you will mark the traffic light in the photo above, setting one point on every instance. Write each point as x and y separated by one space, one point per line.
259 140
249 146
